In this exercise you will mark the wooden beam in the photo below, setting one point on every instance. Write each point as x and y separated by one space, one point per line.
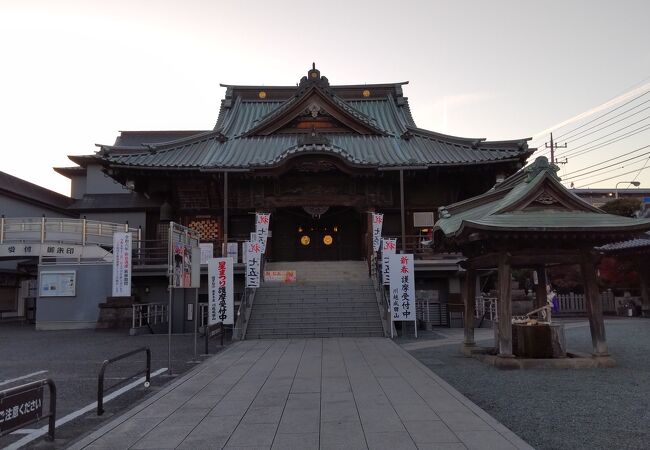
594 306
469 298
540 289
505 307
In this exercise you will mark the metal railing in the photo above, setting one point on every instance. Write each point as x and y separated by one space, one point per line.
147 314
17 403
102 371
63 230
243 314
433 313
382 296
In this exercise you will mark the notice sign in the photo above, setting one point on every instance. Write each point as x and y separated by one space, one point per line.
282 276
220 292
207 252
402 288
58 284
21 408
232 251
121 264
388 247
253 259
262 228
377 222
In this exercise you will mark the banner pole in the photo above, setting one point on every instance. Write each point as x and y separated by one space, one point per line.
196 322
170 269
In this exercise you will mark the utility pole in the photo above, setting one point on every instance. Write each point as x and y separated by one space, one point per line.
553 147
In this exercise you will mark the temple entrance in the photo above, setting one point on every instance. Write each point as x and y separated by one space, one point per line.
316 234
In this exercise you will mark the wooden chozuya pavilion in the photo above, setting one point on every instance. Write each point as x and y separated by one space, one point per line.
318 157
531 221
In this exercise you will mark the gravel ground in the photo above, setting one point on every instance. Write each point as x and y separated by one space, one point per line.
553 409
73 359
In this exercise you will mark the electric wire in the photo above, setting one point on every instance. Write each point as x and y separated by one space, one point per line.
603 136
606 143
607 160
613 177
616 166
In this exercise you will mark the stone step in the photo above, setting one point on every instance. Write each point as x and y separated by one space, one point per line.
311 300
315 321
313 329
313 310
314 335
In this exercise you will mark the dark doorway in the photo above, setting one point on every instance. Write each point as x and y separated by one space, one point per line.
316 234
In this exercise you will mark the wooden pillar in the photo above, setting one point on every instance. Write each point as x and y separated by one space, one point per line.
644 281
470 299
540 289
505 307
594 305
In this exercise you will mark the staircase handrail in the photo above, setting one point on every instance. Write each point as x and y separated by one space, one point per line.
381 295
243 314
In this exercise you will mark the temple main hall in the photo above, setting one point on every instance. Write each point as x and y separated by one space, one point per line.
319 157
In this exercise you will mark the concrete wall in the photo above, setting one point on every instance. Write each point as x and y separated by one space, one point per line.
93 285
99 183
12 207
135 219
77 186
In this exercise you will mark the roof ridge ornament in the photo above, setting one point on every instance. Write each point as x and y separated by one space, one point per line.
314 78
540 165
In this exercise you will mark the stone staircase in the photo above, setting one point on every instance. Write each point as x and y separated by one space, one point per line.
329 299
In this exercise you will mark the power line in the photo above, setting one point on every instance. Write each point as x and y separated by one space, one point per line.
615 176
570 138
609 134
641 169
589 174
611 141
603 115
607 160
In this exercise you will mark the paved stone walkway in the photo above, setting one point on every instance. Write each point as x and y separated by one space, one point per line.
345 393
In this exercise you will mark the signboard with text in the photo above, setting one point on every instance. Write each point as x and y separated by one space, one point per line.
388 247
262 221
21 408
402 288
253 263
122 244
207 252
220 291
377 222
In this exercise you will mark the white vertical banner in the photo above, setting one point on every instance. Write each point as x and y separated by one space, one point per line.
388 247
377 222
121 264
402 288
262 228
220 292
253 260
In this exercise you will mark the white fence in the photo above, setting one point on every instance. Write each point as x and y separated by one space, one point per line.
149 314
577 303
568 304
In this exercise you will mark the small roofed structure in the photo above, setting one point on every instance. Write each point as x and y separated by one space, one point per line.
638 251
531 220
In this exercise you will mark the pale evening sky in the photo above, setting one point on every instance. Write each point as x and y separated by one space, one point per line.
74 73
